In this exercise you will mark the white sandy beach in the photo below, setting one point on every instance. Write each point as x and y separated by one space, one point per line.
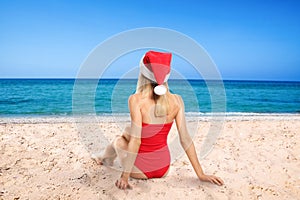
258 157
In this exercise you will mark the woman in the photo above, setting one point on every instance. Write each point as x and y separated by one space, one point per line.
143 149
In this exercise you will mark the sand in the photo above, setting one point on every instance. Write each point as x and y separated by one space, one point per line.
258 157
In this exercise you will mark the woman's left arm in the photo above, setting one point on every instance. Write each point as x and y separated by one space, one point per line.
188 145
191 153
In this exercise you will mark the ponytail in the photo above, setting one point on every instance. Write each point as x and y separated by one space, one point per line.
161 103
144 86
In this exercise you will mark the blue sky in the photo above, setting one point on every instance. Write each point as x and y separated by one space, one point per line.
248 40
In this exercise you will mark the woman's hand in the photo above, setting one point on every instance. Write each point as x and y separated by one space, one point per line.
122 183
213 179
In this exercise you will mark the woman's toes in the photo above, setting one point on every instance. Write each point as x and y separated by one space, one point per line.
97 159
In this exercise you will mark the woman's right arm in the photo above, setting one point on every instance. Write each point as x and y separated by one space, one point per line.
188 145
134 142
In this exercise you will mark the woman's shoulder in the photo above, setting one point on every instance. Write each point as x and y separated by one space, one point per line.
134 97
176 97
175 100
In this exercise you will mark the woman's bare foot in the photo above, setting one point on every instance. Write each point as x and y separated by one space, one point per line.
97 158
101 160
106 158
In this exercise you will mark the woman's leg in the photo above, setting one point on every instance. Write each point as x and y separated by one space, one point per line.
120 145
107 158
110 154
118 148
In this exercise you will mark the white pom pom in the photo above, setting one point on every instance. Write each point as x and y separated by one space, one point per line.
160 90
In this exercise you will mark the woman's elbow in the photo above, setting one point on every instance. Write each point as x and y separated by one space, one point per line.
186 143
135 141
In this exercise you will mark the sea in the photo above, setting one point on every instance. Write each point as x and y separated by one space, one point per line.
66 97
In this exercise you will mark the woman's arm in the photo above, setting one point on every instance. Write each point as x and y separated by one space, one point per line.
133 143
188 146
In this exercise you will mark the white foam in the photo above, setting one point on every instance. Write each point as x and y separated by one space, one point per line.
124 117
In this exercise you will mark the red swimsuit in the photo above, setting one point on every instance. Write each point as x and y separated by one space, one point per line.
153 158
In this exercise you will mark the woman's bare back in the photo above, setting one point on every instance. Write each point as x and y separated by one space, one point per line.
147 107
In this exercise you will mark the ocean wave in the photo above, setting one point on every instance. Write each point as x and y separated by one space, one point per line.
238 114
125 118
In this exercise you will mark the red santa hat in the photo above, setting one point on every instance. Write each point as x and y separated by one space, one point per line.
156 67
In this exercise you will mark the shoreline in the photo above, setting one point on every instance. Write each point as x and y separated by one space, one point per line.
193 117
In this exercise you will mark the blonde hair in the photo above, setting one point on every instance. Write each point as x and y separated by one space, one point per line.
145 87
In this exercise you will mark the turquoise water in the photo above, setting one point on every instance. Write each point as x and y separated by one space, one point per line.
57 96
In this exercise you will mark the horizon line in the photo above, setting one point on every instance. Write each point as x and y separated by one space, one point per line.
108 78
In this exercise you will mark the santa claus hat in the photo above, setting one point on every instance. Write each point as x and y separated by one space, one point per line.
156 67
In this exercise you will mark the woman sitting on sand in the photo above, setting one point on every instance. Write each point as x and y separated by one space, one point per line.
143 149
